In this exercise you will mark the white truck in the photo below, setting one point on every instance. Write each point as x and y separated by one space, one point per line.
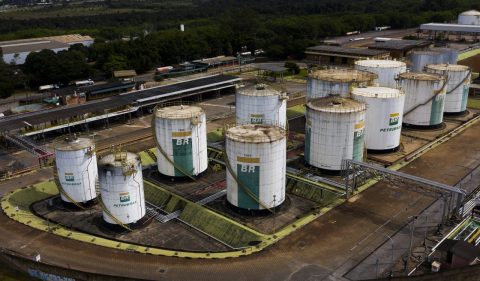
84 83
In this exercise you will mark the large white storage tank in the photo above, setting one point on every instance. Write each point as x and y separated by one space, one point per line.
181 138
334 131
121 188
387 70
257 157
261 105
471 17
383 117
322 83
424 99
458 84
76 163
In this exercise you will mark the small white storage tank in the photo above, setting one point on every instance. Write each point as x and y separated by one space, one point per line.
471 17
449 55
424 98
383 117
121 187
76 163
261 105
257 157
387 70
181 135
322 83
334 131
419 59
458 84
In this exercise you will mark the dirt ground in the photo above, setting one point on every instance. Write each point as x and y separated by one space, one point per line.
327 247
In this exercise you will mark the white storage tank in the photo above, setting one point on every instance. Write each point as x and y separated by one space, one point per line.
322 83
181 135
471 17
449 55
76 163
387 70
383 117
334 131
261 105
257 156
419 59
424 99
458 84
121 188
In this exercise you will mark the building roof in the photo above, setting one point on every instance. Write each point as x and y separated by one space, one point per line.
359 52
404 45
451 27
30 45
69 38
156 94
271 67
124 73
215 60
460 248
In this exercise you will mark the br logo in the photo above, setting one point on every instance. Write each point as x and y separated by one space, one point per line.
124 197
183 141
244 168
394 118
69 177
256 118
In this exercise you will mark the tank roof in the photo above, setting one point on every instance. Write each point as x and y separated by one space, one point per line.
336 104
259 90
377 92
447 67
178 112
119 159
73 144
343 75
381 63
255 133
470 13
423 76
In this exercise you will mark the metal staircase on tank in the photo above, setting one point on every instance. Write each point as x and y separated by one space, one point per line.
152 155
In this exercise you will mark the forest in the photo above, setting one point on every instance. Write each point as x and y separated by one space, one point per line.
213 27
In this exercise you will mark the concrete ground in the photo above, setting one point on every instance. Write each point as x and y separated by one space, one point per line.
323 250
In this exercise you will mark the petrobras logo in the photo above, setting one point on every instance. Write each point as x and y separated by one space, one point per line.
394 119
256 118
124 197
69 177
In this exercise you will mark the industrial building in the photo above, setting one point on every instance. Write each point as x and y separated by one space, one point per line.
341 56
16 51
399 49
467 27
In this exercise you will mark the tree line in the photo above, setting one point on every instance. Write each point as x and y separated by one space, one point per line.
221 27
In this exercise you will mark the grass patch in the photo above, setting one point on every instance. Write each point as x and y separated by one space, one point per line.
215 136
296 111
473 103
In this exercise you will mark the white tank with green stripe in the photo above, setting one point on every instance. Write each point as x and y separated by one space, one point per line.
335 131
458 84
383 117
424 98
261 105
257 157
182 135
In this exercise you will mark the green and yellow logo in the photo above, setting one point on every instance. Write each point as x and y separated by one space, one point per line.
394 119
124 197
256 118
69 177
